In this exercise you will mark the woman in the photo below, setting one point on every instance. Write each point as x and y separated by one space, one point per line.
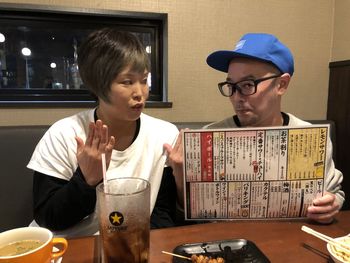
67 161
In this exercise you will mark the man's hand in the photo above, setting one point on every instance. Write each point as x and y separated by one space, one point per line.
89 153
323 209
175 160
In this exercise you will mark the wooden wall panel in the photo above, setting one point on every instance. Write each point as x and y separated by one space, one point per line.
338 110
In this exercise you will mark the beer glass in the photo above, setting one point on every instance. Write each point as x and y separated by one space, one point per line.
123 207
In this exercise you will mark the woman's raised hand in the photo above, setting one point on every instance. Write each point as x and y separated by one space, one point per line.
89 153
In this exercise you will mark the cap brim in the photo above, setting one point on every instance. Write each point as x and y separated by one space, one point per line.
220 60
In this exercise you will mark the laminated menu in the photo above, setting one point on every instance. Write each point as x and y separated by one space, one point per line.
253 173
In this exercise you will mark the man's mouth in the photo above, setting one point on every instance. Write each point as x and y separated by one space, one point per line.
242 110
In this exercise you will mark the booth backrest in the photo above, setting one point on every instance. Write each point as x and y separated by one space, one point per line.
17 144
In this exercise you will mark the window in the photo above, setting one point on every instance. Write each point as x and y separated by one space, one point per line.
38 53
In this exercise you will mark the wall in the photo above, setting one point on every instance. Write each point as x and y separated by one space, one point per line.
196 28
341 36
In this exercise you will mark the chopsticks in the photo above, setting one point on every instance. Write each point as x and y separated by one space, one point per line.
176 255
328 239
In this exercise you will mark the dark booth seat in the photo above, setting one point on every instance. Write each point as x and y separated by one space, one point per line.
17 144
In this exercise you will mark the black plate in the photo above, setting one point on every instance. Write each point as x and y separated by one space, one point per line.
233 250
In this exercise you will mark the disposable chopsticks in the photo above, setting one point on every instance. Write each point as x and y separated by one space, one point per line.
328 239
176 255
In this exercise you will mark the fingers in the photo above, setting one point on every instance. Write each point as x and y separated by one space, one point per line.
90 136
167 148
108 149
323 218
103 139
89 154
174 154
80 144
324 204
175 147
97 134
110 145
107 143
323 209
178 143
327 198
104 134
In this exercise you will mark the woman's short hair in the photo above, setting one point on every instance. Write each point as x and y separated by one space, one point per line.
105 54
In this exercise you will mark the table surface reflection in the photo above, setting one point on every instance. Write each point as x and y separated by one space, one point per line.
280 241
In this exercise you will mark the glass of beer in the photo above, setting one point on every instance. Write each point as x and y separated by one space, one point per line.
123 207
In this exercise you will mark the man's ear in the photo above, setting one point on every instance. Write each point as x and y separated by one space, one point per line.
283 83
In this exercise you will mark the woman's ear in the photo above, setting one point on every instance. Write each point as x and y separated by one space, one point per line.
283 83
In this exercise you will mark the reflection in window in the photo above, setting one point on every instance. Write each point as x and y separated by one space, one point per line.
38 54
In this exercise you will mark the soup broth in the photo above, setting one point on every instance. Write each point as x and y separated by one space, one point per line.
19 247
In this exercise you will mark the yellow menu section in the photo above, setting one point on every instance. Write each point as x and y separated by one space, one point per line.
306 153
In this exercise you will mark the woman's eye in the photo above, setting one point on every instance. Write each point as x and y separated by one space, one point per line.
127 82
144 81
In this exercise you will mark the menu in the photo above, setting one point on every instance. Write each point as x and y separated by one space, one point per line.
253 173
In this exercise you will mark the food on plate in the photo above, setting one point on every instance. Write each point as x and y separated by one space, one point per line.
206 259
219 251
345 256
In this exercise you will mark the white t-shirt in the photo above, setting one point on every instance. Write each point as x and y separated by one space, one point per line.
55 155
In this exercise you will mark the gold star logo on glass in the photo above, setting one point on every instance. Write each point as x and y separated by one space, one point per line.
116 218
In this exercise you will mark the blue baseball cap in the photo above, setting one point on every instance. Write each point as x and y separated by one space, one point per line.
260 46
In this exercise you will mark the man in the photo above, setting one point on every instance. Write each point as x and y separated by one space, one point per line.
259 70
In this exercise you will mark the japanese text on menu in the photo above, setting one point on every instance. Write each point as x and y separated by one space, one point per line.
264 173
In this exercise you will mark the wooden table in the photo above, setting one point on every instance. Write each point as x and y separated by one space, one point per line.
280 241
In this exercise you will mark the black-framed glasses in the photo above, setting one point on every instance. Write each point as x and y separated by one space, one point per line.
244 87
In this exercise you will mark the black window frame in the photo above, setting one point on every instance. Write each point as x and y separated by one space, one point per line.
90 18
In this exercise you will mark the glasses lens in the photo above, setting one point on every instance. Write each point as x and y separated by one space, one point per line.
246 87
226 89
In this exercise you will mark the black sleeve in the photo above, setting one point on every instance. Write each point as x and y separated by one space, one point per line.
164 212
59 204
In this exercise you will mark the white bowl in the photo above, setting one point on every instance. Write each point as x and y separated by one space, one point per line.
335 252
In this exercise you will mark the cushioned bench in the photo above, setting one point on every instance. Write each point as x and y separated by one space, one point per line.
17 144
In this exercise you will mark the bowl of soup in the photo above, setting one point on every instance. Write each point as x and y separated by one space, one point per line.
30 244
19 247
